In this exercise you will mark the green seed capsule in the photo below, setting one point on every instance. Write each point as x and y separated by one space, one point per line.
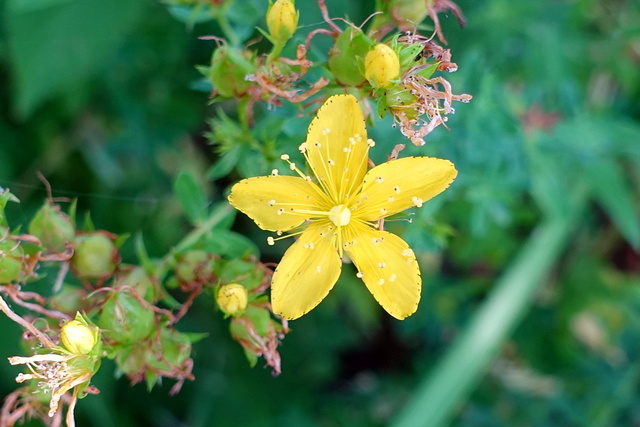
53 227
345 57
94 256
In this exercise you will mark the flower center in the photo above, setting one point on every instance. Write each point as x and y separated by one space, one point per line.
340 215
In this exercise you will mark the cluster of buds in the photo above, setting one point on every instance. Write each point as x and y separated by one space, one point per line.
238 287
124 301
397 74
241 296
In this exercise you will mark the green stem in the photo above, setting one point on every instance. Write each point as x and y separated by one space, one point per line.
225 26
453 378
276 51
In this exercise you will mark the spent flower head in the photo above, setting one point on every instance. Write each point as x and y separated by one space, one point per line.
65 368
339 213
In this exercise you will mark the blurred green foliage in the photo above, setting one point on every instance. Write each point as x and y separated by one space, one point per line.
104 99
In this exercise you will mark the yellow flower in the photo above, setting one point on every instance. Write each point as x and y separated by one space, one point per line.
339 213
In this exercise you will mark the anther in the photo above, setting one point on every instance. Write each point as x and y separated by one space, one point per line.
284 157
359 275
270 241
274 172
272 202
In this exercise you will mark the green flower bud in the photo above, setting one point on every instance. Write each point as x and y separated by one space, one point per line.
381 66
229 67
232 299
53 227
195 265
282 20
94 256
125 319
350 47
78 336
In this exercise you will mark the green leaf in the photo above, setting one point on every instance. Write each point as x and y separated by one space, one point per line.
225 164
5 197
230 244
613 191
191 196
57 45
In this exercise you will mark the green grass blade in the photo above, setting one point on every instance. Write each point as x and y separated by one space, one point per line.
436 399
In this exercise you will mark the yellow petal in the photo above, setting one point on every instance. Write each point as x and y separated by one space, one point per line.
306 274
271 200
388 267
394 186
336 146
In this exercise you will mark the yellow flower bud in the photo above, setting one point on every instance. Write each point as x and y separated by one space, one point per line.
78 336
381 66
282 20
232 298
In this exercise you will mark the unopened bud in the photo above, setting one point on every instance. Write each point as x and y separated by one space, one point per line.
232 298
381 66
282 20
78 336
